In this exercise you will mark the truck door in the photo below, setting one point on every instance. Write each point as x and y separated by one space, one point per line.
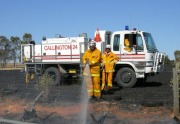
133 44
138 45
27 52
129 46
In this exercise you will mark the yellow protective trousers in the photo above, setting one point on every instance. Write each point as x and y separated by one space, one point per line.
106 80
93 86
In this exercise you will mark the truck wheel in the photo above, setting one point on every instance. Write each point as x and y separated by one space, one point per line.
126 77
54 73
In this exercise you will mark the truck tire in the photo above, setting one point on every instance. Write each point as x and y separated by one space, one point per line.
151 103
55 74
126 77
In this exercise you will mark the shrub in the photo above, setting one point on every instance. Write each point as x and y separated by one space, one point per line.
43 84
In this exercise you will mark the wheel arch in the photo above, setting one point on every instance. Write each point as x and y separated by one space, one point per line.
55 73
50 65
118 66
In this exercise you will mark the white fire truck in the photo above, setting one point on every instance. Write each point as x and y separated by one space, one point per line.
62 56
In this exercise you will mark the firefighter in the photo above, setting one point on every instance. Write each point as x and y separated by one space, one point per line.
127 45
109 60
92 57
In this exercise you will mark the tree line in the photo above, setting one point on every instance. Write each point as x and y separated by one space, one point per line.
10 48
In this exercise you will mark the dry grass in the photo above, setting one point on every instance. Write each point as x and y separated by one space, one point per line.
10 66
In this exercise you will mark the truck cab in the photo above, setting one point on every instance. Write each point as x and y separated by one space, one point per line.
138 55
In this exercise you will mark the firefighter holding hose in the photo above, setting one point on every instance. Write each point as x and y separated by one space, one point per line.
92 59
109 60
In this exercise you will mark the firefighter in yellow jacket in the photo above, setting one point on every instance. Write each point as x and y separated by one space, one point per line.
92 56
108 61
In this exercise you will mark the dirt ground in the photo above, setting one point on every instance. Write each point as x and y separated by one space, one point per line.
148 102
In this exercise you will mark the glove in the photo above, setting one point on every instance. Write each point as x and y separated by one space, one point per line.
87 62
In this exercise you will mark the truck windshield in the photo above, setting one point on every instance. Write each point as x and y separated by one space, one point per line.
151 47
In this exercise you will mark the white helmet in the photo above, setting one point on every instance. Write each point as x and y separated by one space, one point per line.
92 43
108 46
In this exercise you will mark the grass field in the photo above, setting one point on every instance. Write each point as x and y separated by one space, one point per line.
10 66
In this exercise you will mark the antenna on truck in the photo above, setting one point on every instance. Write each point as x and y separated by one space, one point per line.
130 21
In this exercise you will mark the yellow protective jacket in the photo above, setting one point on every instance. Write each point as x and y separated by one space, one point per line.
108 61
94 58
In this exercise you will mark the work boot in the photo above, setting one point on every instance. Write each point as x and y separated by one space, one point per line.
109 92
109 87
102 92
98 98
91 99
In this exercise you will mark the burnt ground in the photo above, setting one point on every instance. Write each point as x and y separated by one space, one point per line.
148 102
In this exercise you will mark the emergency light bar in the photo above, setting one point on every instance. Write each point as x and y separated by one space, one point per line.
126 27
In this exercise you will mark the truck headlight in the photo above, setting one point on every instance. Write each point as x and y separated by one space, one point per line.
139 63
150 63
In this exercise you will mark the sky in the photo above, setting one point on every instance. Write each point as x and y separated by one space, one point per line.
70 18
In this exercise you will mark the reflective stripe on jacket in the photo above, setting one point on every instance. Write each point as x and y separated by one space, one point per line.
93 75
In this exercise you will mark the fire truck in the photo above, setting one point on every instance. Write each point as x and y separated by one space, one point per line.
61 56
